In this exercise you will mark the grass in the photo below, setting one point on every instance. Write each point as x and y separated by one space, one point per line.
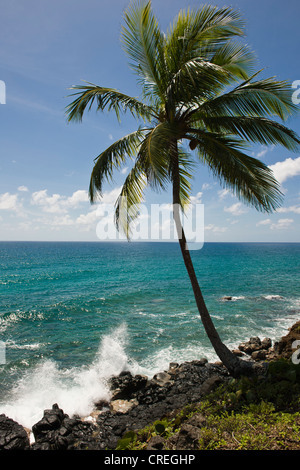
244 414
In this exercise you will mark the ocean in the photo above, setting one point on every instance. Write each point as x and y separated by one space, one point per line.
73 314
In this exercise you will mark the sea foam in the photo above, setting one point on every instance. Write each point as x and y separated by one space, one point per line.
75 390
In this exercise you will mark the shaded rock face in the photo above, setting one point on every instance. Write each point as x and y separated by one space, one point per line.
286 347
12 435
125 385
56 431
258 349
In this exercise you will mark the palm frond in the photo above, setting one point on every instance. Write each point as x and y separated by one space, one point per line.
106 98
144 43
237 59
130 198
200 33
196 81
249 178
156 150
186 167
260 98
254 129
112 158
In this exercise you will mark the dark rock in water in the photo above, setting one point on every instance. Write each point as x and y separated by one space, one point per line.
12 435
257 349
227 297
266 343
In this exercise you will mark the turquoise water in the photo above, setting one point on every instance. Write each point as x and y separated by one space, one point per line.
72 314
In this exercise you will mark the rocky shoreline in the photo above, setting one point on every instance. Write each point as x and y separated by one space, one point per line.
137 401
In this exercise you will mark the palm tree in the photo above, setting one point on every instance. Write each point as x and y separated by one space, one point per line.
199 90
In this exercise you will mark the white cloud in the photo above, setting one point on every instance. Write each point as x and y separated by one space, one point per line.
64 220
77 197
264 222
50 204
87 219
223 193
196 199
295 209
282 224
57 203
214 228
286 169
8 201
236 209
23 189
262 153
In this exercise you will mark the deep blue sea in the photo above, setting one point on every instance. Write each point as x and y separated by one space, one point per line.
73 314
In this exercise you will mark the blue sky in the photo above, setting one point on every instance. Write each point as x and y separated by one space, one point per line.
45 163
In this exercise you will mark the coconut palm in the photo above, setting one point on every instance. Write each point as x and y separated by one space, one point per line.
199 91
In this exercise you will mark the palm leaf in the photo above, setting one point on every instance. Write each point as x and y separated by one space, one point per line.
186 167
143 42
130 198
106 98
250 179
199 33
260 98
112 158
237 59
254 129
196 81
156 151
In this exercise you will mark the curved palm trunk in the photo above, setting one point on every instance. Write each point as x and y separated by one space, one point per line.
235 365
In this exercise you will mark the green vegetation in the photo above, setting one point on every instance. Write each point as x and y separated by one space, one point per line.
244 414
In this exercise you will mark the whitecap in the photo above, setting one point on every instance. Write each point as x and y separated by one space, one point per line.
12 345
273 297
232 298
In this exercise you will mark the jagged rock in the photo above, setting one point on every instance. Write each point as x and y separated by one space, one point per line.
122 406
259 355
237 352
284 348
210 384
266 343
162 378
56 431
156 443
126 385
12 435
173 367
254 344
187 438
